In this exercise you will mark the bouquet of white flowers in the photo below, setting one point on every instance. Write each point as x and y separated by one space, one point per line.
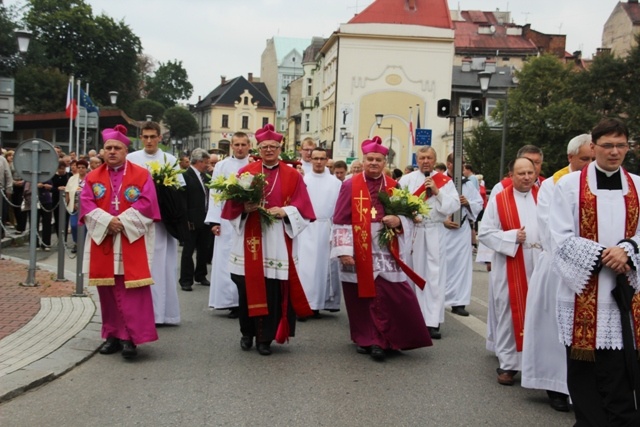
243 188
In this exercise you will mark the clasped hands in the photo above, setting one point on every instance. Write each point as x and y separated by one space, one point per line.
616 259
278 212
115 226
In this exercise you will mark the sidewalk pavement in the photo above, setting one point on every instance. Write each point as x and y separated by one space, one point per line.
44 331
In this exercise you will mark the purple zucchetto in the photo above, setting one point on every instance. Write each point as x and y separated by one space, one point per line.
118 133
268 133
374 145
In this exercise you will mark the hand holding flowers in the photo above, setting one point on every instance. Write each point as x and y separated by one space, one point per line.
244 188
399 202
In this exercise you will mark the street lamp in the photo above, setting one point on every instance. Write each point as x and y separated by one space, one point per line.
484 77
149 117
345 135
24 37
379 117
113 96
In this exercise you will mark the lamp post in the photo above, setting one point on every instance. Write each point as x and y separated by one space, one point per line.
379 117
484 78
7 96
113 96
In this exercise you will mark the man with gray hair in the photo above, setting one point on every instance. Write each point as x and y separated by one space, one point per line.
196 199
544 364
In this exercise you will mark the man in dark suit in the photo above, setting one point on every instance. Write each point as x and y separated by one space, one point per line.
196 197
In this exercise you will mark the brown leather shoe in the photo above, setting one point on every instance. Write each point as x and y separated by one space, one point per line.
506 377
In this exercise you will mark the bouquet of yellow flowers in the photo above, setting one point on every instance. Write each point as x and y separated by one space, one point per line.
243 188
172 208
400 202
165 174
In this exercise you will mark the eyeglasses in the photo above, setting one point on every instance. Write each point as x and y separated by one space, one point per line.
149 136
308 150
611 146
269 147
319 159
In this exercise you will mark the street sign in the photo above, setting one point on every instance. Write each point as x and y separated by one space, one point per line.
91 119
423 137
47 159
6 122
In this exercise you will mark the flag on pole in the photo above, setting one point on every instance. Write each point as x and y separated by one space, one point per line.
72 107
86 102
412 135
418 122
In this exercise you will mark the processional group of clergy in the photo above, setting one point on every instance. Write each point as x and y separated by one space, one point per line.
562 254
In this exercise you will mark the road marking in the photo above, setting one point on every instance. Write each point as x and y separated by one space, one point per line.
473 323
479 301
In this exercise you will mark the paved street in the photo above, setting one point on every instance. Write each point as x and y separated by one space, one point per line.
197 375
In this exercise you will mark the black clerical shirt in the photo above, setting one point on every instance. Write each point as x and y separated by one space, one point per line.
604 182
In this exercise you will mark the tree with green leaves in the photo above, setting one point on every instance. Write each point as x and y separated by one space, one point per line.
143 107
482 149
181 122
169 84
69 38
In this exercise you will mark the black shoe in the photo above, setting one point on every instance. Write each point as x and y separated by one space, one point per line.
459 310
204 282
110 346
246 342
264 348
301 319
234 313
558 401
186 288
363 350
377 353
434 332
129 349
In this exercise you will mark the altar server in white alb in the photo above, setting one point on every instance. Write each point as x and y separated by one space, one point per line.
543 357
164 270
594 225
510 228
458 249
320 281
223 293
427 258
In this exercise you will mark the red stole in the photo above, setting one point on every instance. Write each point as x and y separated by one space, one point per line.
254 262
516 270
134 255
439 179
586 303
361 215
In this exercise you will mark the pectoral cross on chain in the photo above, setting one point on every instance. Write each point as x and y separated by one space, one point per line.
116 202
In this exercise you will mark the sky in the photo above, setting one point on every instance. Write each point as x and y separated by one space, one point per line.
227 37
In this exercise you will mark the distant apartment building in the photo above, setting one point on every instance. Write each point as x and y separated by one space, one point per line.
238 104
621 29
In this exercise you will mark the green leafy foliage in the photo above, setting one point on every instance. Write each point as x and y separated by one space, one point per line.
181 122
169 84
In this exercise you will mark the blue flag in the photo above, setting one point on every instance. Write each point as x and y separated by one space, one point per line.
86 102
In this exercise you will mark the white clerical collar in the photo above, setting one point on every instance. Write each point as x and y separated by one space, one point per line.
150 154
607 173
318 174
270 167
115 168
523 194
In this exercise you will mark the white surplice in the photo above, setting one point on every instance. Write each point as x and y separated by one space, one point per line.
428 247
164 270
544 364
503 243
223 293
459 252
575 256
320 282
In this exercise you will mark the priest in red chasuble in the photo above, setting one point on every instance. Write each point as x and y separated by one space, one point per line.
263 261
118 204
383 310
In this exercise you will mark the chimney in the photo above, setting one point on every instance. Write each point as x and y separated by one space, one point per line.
250 77
223 79
466 65
490 65
412 4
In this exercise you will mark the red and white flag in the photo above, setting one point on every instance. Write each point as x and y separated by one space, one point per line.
412 135
72 106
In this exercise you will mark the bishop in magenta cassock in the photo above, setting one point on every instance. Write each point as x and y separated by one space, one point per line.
118 204
383 310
